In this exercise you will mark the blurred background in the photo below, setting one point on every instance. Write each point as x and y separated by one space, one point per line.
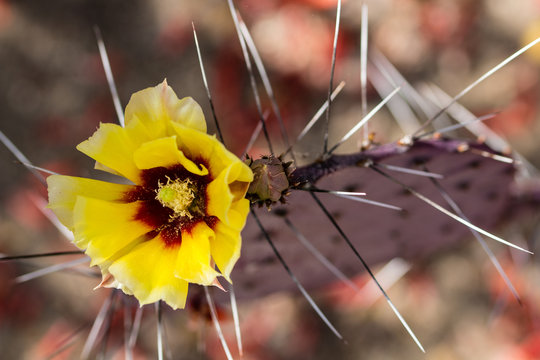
53 95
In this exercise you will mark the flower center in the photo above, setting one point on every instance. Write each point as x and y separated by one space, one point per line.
177 195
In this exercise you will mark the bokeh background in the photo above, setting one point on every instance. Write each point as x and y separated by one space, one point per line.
53 95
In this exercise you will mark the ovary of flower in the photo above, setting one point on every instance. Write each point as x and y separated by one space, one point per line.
180 217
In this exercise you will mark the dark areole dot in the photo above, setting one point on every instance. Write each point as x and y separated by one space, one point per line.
268 260
261 237
492 195
463 185
404 192
404 214
336 214
249 284
352 187
446 228
420 160
331 257
281 212
508 170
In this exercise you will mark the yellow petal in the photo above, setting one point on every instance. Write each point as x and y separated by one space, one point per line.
193 263
148 273
106 229
225 248
219 198
110 152
238 213
164 152
112 146
198 145
222 193
63 192
158 105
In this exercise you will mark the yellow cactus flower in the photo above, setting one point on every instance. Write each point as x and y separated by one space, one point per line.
180 217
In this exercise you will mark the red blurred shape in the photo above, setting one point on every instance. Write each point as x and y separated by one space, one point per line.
174 37
58 335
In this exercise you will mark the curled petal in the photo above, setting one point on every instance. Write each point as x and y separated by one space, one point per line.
197 145
224 192
164 152
219 198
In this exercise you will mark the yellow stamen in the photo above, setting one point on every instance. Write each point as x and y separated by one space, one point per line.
177 195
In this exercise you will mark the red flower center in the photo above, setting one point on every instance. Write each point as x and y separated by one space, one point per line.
165 221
